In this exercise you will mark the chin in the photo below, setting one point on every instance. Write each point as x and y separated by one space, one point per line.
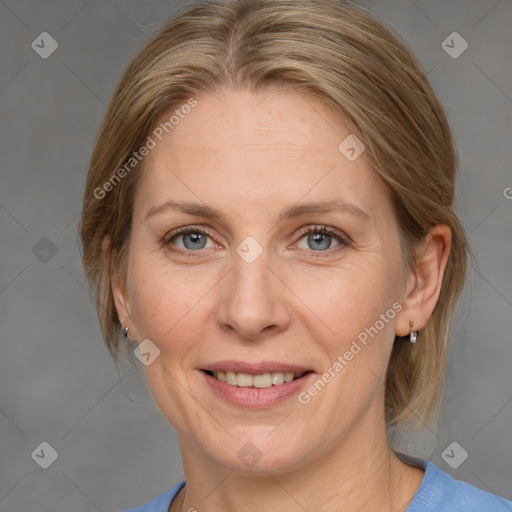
258 456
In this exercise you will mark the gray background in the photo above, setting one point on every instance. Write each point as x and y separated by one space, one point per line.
57 381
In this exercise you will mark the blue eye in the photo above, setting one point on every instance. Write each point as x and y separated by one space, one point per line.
320 239
194 240
190 239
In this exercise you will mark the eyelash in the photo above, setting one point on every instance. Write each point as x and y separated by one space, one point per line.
326 230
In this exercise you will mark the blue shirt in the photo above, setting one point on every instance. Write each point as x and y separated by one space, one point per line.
438 492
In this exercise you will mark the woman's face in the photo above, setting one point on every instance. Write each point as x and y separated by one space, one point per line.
274 275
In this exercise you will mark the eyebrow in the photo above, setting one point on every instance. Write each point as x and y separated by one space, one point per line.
298 210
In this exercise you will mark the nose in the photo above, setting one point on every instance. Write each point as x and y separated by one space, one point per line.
254 300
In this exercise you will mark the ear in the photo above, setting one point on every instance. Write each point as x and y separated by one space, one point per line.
120 294
423 283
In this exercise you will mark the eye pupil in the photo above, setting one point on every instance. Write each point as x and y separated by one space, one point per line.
319 241
194 240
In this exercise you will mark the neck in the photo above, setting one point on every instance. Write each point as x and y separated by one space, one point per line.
363 473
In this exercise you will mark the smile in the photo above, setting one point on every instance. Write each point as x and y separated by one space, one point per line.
256 390
262 380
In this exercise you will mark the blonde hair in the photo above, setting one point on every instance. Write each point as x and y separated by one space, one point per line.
337 52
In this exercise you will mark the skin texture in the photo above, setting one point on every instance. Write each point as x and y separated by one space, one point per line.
251 156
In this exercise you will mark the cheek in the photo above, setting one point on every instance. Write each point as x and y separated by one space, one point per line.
166 301
350 313
354 323
347 300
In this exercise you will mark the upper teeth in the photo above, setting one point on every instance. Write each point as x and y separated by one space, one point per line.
262 380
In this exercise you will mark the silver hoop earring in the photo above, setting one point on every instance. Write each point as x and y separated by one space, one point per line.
414 334
125 332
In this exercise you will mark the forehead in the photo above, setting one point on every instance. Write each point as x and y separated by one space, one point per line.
247 149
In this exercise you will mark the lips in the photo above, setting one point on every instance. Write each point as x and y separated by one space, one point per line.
255 375
256 390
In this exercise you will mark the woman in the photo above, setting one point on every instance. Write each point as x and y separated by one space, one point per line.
268 215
